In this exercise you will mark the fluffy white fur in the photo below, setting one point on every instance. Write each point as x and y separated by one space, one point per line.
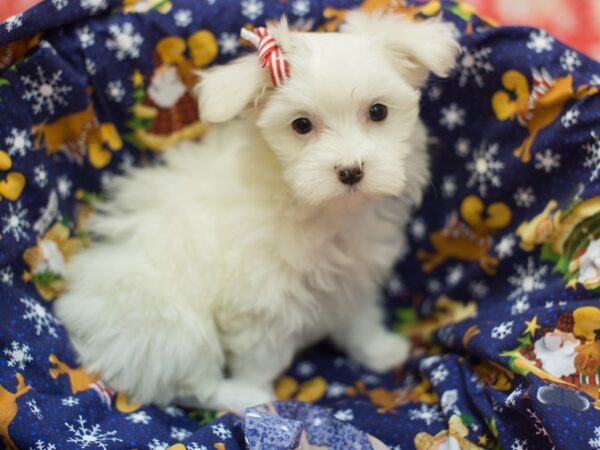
211 270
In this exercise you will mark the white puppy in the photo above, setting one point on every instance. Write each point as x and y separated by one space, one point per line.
213 269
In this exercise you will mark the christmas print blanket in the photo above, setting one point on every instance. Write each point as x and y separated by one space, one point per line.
500 291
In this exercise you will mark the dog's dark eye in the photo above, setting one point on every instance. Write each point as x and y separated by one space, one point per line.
377 112
302 125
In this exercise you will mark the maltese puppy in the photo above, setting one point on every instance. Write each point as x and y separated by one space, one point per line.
211 270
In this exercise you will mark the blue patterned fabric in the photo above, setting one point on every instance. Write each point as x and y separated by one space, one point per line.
499 291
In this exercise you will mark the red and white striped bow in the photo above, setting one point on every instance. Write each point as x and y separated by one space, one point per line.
269 54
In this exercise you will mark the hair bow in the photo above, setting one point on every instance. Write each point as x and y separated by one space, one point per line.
270 55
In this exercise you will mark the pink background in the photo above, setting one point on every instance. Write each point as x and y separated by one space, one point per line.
576 22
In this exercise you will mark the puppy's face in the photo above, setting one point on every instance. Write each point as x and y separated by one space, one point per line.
342 126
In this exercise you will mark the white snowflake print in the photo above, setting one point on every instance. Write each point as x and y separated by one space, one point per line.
301 7
519 444
183 18
48 47
570 60
336 389
345 362
174 411
449 186
595 441
63 186
92 436
527 279
90 66
595 81
126 163
115 90
592 160
7 276
18 142
427 413
474 63
452 116
86 37
60 4
511 400
434 93
549 304
417 228
42 445
570 118
42 319
503 330
485 168
446 336
105 179
18 355
13 22
370 378
305 369
540 41
438 375
221 431
124 41
409 380
462 147
504 248
179 434
520 306
454 275
229 43
139 417
429 362
35 409
477 380
195 446
252 9
433 286
93 6
344 415
547 161
524 197
40 176
155 444
395 285
538 425
496 406
15 221
44 93
70 401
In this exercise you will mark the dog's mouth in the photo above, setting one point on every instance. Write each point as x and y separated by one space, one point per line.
353 201
366 193
355 188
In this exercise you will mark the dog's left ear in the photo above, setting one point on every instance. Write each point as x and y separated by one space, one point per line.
416 48
225 91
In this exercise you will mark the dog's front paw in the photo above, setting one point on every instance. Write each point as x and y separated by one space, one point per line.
237 395
384 352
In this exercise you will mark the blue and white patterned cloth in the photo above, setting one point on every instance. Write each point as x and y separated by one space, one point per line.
500 289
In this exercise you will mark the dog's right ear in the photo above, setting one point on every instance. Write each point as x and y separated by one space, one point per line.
415 48
225 91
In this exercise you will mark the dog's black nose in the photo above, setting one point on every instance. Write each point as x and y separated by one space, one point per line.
350 174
